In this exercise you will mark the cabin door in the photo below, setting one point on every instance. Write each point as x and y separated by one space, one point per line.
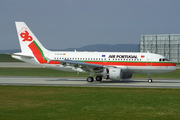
149 60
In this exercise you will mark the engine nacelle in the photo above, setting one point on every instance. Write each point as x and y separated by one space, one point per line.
112 73
127 75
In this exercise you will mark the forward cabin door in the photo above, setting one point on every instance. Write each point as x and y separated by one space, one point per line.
149 60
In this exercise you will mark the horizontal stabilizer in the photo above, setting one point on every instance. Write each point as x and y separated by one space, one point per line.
22 55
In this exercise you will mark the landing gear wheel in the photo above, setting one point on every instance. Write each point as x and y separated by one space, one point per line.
90 79
150 80
98 78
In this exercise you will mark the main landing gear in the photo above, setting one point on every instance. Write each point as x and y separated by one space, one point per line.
98 78
149 78
91 79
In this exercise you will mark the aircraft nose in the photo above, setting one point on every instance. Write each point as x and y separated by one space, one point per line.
174 66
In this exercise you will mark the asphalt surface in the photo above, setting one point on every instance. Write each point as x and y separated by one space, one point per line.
64 81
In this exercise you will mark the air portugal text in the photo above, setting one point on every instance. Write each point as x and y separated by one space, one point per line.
122 56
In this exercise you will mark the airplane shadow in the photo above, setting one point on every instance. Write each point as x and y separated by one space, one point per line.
103 81
123 81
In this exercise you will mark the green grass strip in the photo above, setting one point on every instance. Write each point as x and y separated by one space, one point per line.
39 72
7 58
88 103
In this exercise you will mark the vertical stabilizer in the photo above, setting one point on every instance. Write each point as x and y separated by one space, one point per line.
26 37
30 45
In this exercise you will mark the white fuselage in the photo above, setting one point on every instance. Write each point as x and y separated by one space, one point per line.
133 62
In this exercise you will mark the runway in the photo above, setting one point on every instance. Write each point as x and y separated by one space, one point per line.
66 81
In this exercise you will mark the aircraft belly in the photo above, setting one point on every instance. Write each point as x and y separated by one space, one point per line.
151 69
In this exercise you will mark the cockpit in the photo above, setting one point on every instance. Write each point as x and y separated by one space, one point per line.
163 59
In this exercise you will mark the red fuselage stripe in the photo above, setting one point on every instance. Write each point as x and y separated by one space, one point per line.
132 63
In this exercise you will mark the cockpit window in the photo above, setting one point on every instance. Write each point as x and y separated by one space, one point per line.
163 59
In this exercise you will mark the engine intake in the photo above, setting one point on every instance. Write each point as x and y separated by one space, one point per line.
115 74
112 73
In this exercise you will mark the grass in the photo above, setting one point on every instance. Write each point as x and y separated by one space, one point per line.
7 58
42 72
87 103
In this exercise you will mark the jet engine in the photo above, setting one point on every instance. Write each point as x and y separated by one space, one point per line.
112 73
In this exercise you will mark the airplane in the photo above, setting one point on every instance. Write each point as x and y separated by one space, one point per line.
107 65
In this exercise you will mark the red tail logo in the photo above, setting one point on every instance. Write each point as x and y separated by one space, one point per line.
26 36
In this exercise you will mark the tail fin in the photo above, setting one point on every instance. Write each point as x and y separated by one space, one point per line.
26 36
30 45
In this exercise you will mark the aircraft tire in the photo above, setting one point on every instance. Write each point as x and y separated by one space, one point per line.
150 80
98 78
90 79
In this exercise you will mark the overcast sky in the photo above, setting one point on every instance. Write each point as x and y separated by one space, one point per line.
60 24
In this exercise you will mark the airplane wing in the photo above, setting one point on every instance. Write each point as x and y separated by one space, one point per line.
84 66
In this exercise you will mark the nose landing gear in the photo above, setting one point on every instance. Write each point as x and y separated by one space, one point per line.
149 78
